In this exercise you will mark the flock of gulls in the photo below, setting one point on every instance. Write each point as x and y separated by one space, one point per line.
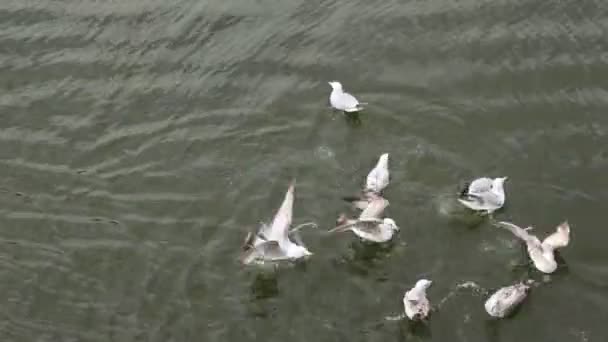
279 242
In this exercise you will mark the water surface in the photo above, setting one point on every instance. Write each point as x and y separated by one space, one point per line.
140 140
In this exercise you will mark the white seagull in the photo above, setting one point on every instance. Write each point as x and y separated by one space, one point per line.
272 243
415 303
541 253
377 180
341 100
484 194
369 226
506 299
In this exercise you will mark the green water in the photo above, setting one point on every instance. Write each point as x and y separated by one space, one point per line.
141 139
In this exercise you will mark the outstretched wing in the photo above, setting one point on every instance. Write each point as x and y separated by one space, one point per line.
521 233
374 209
282 220
560 238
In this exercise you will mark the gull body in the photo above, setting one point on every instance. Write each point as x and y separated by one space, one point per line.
341 100
415 302
502 302
484 194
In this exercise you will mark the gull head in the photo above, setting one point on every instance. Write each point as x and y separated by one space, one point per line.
390 223
383 160
335 85
499 182
423 284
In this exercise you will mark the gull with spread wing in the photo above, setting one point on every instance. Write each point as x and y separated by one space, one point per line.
369 226
541 253
272 242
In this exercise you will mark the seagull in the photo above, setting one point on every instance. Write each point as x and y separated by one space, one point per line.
541 253
506 299
343 101
271 242
377 180
484 194
415 303
369 226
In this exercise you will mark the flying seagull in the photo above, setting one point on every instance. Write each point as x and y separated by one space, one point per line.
484 194
541 253
341 100
272 242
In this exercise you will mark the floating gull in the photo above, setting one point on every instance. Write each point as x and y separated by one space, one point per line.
506 299
341 100
369 226
377 180
272 243
542 253
484 194
417 306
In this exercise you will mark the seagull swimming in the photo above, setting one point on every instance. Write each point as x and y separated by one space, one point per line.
506 299
415 303
377 180
272 243
541 253
484 194
369 226
341 100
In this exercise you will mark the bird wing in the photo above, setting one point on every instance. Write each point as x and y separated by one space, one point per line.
374 209
481 201
266 251
531 240
347 100
560 238
480 185
370 226
279 229
362 200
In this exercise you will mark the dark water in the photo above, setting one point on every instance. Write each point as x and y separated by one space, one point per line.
140 140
